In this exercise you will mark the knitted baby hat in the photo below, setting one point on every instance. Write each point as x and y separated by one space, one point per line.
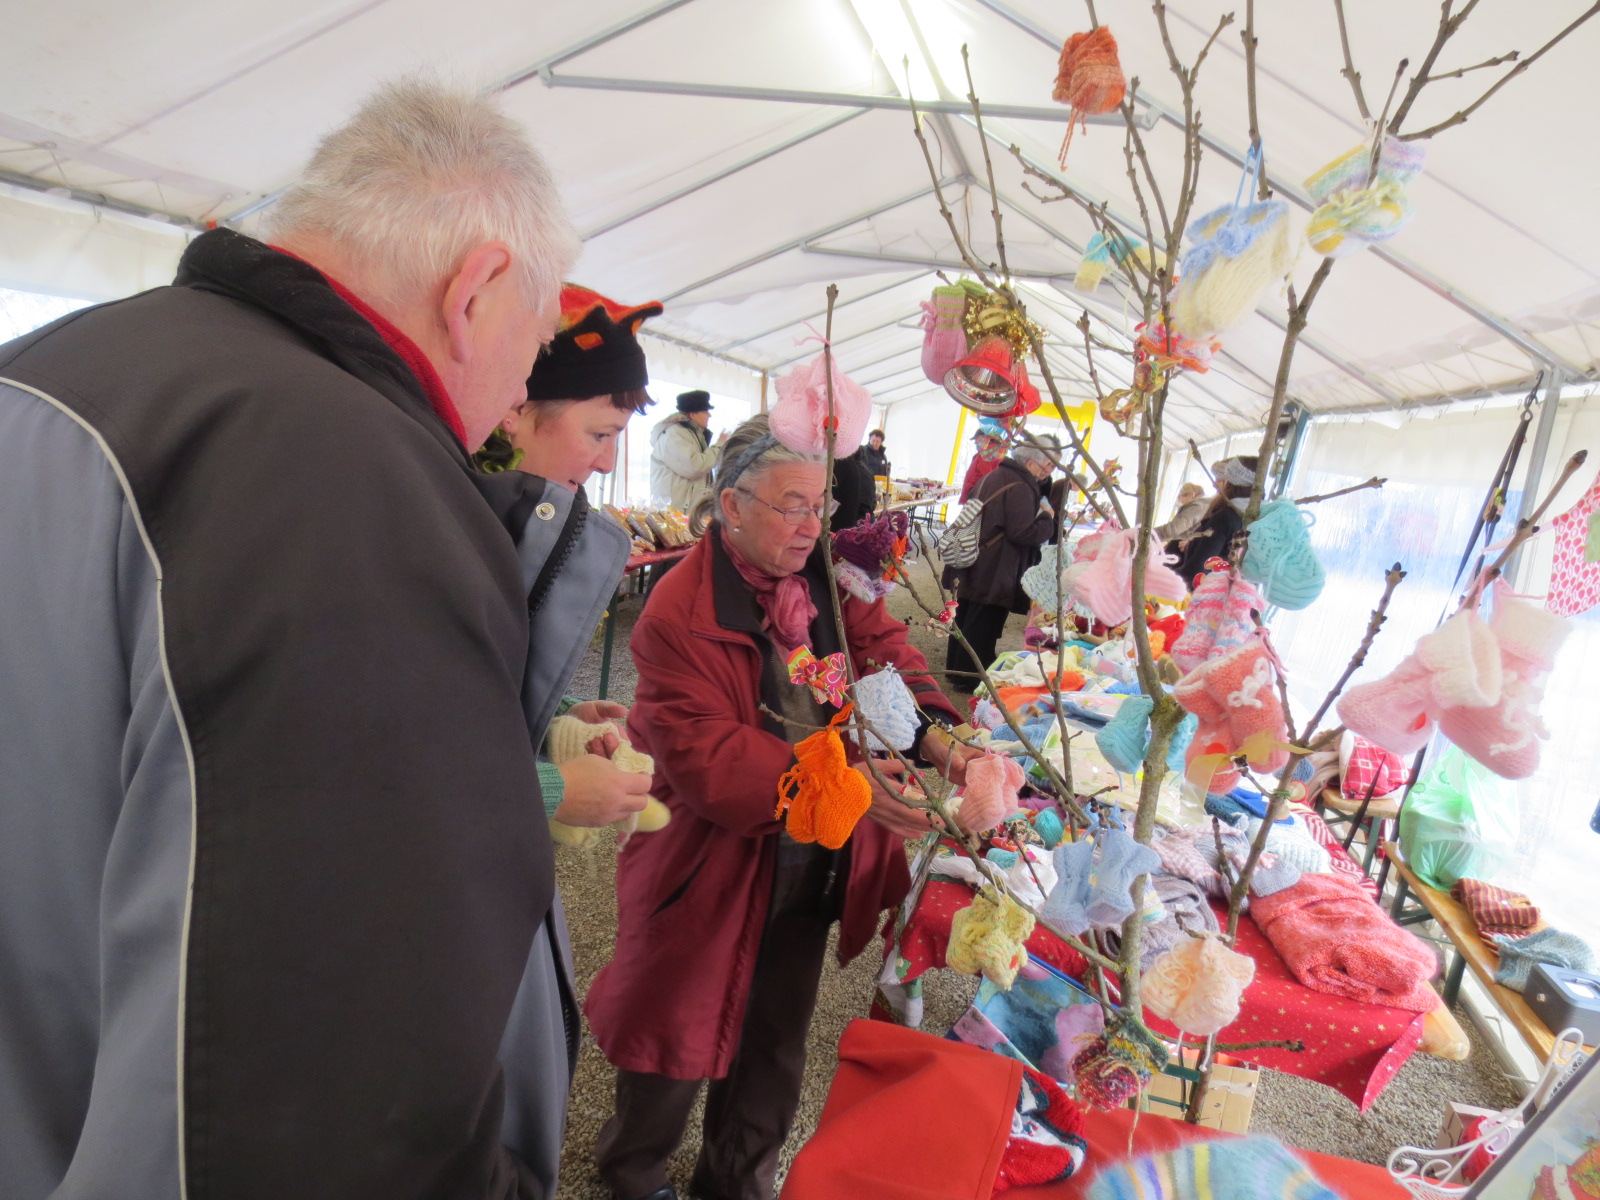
799 418
1518 954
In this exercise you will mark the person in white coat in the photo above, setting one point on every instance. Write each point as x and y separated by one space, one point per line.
682 454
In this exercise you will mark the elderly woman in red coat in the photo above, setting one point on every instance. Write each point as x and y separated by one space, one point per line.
723 918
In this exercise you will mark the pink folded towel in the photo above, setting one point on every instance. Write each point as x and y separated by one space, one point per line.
1336 940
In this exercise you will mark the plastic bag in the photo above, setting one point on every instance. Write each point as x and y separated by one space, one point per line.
1459 822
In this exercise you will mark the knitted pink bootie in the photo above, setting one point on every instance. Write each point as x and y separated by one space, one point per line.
1218 618
1212 735
1245 682
944 342
1505 736
1106 585
1455 666
1161 582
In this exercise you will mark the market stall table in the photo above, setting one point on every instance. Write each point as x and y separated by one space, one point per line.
636 562
921 509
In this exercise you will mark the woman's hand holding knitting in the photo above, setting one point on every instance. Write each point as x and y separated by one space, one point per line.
888 809
599 793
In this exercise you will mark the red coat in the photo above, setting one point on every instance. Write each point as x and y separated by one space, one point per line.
692 898
976 470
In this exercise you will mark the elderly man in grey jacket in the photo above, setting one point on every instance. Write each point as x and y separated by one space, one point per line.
277 911
682 454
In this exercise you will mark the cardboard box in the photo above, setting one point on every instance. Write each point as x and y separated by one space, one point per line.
1229 1099
1456 1116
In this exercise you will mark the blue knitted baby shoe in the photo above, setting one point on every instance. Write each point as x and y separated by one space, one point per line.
1125 739
1111 891
1179 746
1064 908
1280 558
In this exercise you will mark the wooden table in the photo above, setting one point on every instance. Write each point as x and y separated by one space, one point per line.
1471 951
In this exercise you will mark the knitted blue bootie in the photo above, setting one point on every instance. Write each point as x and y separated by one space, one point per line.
1179 746
1048 826
1280 558
884 699
1111 890
1065 908
1125 739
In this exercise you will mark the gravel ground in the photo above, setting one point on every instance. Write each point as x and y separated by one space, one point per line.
1299 1112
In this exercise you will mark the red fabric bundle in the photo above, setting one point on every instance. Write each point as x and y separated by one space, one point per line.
1372 767
1496 909
1336 940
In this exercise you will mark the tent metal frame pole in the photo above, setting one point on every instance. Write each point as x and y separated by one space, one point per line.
721 91
599 38
1533 480
822 312
79 195
1413 270
756 260
685 344
911 260
741 165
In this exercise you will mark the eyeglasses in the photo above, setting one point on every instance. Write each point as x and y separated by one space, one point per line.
793 515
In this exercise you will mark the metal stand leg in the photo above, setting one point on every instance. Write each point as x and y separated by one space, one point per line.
1452 981
1399 899
605 650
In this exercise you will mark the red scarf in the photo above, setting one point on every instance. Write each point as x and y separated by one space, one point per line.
785 603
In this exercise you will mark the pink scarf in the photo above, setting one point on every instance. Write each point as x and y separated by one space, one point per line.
785 603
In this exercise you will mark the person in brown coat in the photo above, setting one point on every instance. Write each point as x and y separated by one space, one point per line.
1016 521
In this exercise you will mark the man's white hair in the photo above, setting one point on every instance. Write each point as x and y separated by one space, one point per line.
420 176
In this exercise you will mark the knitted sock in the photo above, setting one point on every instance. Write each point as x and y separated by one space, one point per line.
1046 1143
1247 1169
1066 908
1120 861
1218 618
1126 738
1518 954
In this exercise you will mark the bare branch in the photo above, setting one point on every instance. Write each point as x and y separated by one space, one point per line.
988 164
1510 56
1374 482
938 190
1526 528
1349 71
1522 65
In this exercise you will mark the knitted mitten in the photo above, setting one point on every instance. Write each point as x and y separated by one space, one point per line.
1065 909
1518 954
1127 736
1218 618
1046 1143
1211 735
1455 666
884 699
1197 985
1120 860
944 342
1280 557
1505 736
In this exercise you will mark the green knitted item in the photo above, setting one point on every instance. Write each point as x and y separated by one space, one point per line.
551 786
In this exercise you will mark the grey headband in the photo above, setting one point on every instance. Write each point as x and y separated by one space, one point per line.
730 472
1236 473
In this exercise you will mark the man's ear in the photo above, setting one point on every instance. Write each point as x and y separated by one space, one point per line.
484 277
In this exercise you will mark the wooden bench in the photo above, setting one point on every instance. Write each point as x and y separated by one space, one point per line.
1471 951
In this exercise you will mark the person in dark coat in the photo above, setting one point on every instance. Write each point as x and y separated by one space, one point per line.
854 490
873 456
1016 521
1224 517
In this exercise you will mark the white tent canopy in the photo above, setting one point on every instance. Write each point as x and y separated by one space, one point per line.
732 157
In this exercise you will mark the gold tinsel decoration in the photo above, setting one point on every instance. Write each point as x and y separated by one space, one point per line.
992 313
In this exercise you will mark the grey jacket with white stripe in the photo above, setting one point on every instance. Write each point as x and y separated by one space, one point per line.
277 911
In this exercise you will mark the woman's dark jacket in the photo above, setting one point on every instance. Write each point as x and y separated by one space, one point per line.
1014 527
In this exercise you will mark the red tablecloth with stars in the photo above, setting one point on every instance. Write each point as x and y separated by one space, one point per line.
1352 1047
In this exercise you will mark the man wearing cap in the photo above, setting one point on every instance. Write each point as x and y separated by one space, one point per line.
682 455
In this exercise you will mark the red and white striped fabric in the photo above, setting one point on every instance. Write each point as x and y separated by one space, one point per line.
1342 863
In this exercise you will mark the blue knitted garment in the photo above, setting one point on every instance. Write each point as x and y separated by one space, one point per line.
1125 739
1552 946
1280 559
